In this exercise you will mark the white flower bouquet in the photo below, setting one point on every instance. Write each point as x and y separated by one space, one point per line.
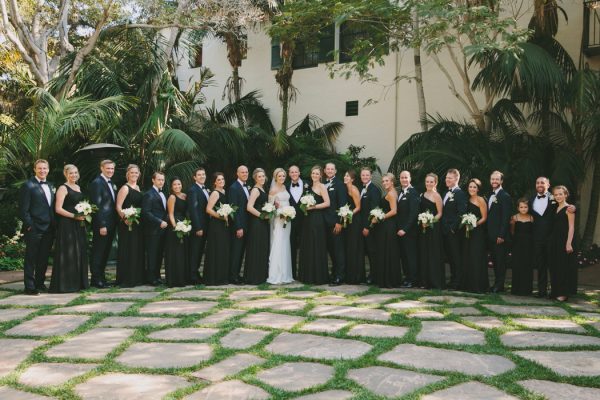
226 211
345 214
268 211
183 229
426 219
131 215
85 209
286 213
307 201
469 221
376 215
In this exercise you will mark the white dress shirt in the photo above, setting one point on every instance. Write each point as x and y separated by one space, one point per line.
162 196
364 190
492 197
296 192
540 205
112 191
448 193
204 190
46 190
244 187
402 191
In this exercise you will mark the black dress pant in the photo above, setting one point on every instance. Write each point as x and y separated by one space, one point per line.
371 252
452 252
295 244
101 246
197 245
540 260
238 247
408 255
155 249
498 253
337 253
37 251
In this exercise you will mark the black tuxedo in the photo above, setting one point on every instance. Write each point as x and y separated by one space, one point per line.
542 227
237 197
296 226
454 208
369 200
338 197
406 220
38 225
105 217
196 209
153 215
498 223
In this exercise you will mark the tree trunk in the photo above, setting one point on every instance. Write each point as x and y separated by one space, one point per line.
592 216
284 79
419 81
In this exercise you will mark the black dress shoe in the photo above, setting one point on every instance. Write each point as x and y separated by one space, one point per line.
407 285
97 285
42 288
157 282
106 284
336 282
496 289
369 281
542 295
31 292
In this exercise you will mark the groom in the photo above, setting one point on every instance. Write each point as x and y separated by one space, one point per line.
196 206
338 197
238 196
295 187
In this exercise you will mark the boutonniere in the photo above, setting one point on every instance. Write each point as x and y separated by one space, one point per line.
494 199
306 186
114 187
331 189
450 196
53 190
404 198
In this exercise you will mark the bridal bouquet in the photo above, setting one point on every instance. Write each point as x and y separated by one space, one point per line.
85 209
286 213
183 229
131 215
426 219
268 211
469 221
345 214
306 201
376 215
226 211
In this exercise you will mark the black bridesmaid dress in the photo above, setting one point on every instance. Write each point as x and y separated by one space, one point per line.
177 250
130 256
474 256
70 269
430 250
387 272
521 259
216 261
256 268
562 264
312 268
355 250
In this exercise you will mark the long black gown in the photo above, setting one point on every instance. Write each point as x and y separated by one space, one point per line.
521 259
430 250
474 257
130 256
70 269
387 272
355 250
177 250
562 264
216 261
256 268
312 268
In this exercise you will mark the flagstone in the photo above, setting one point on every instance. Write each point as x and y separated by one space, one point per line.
327 395
134 322
345 289
450 299
112 307
200 294
120 386
567 363
14 351
596 325
560 391
589 315
242 338
426 314
142 288
375 330
249 294
391 382
485 322
469 391
465 311
410 304
526 310
539 323
350 312
294 376
321 347
220 316
278 304
7 393
449 332
230 390
48 325
512 299
549 339
94 344
272 320
10 314
53 374
178 307
227 367
585 306
43 299
175 334
122 295
165 355
375 298
329 325
330 299
447 360
302 294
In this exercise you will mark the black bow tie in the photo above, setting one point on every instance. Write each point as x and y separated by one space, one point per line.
202 187
329 180
541 196
159 190
109 182
43 183
296 184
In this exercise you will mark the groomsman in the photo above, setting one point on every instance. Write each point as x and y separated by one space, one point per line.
36 209
408 209
104 221
238 196
498 223
338 197
197 198
455 205
154 219
295 187
369 199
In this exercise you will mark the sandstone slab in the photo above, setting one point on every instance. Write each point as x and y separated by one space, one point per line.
465 311
93 344
376 298
527 310
199 294
538 323
120 386
450 299
10 314
329 325
380 331
560 391
391 382
327 395
567 363
43 299
278 304
546 339
178 307
426 314
165 355
350 312
485 322
48 325
345 289
51 374
230 390
512 299
7 393
410 304
469 391
302 294
270 320
330 299
110 307
449 332
243 338
229 366
294 376
14 351
250 294
176 334
134 322
320 347
220 316
122 295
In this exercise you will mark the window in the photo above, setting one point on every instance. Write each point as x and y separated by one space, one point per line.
352 108
351 35
307 56
327 44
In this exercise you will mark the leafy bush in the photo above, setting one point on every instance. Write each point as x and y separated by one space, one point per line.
12 250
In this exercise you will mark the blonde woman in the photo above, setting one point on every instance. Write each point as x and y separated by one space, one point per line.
387 271
280 256
257 242
430 239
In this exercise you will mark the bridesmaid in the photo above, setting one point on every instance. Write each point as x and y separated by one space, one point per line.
70 270
313 266
387 272
430 241
216 262
130 256
521 227
560 245
176 249
355 251
474 256
258 244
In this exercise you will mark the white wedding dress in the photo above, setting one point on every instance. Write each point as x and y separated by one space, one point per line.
280 257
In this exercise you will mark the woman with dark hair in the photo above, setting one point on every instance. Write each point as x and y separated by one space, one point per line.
474 258
256 265
176 250
355 250
216 263
563 271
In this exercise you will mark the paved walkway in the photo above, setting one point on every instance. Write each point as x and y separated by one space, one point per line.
297 342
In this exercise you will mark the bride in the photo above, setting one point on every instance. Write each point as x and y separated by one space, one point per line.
280 257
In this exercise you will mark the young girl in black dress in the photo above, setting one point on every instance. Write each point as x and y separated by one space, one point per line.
560 246
176 250
521 227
